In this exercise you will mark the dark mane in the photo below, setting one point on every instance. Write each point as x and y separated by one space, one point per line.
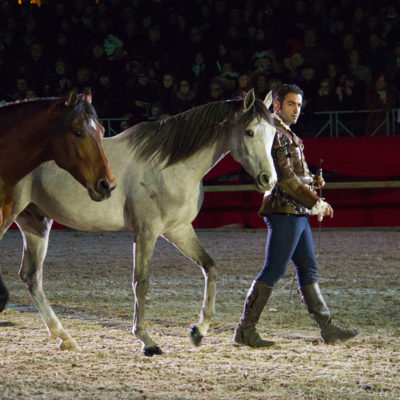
27 101
66 115
180 136
82 107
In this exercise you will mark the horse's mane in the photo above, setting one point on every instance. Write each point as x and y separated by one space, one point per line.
180 136
67 116
24 101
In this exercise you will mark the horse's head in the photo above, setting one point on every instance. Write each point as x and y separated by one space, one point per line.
78 147
251 142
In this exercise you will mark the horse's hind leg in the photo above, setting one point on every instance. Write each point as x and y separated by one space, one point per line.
189 244
35 229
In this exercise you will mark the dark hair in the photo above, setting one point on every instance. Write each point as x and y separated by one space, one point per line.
285 89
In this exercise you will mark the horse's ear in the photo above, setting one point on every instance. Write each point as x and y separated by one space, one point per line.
249 100
87 95
72 98
268 99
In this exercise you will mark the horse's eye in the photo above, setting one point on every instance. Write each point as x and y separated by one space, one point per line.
79 133
249 133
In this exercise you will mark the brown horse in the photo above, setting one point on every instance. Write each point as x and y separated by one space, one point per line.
65 130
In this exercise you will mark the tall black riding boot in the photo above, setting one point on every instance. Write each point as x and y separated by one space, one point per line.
3 295
246 332
316 306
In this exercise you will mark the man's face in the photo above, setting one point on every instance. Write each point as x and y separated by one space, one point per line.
290 108
168 80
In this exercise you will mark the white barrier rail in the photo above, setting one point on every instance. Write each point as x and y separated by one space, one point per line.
331 185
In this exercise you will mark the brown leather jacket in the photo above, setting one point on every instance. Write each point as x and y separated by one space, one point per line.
293 194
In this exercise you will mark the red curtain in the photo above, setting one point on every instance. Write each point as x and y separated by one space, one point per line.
355 156
363 157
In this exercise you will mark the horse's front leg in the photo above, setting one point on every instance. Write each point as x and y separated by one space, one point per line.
4 295
6 204
4 225
143 248
35 229
189 244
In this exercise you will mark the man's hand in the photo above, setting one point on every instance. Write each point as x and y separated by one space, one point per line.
328 212
322 209
318 182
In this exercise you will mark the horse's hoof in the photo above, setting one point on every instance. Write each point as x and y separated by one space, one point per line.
69 345
151 351
195 336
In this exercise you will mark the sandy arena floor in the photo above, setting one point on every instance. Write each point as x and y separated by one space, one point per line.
87 278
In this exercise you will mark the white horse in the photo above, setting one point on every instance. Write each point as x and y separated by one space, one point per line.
159 168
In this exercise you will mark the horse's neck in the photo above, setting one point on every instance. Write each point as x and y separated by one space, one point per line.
204 160
22 153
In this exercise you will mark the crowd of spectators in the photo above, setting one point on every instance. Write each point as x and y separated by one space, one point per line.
148 59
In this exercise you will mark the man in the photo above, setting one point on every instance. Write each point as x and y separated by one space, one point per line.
286 210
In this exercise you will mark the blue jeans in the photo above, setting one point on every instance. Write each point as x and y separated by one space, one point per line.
289 238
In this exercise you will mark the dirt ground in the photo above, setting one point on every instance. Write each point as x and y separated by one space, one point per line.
87 278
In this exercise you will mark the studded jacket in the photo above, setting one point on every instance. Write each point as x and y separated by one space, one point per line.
293 193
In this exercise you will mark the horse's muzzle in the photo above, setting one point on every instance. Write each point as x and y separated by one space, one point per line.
102 190
265 182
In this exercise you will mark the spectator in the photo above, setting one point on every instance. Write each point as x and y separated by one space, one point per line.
30 94
348 45
349 95
84 78
221 56
324 99
380 96
313 51
245 83
262 63
256 42
155 112
261 85
18 92
152 49
184 98
36 63
392 67
196 43
292 65
332 72
107 100
358 22
97 60
140 97
166 93
229 83
360 71
198 73
377 55
273 84
59 81
350 98
337 31
308 81
216 91
63 45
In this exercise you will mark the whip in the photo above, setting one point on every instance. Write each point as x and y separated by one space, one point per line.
320 196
